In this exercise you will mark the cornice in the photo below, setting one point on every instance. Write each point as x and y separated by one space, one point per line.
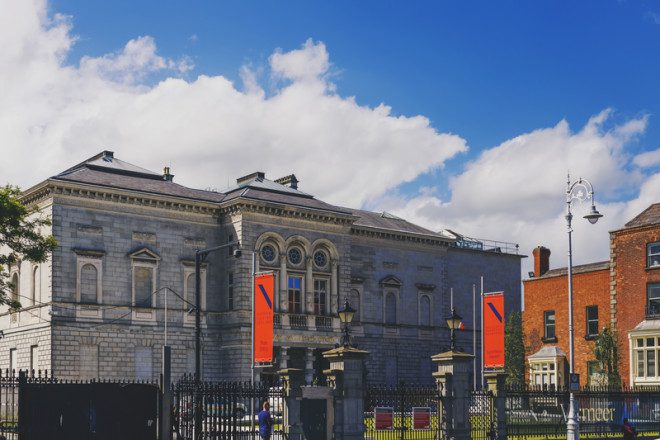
51 188
241 205
411 237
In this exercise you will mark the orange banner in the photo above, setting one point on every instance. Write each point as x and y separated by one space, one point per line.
493 320
263 317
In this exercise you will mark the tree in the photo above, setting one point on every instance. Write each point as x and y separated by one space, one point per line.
607 354
20 239
514 350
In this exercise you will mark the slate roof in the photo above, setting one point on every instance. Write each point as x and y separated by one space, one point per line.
548 351
582 268
105 170
650 216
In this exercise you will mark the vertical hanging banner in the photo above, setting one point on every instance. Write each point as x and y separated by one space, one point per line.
493 320
264 287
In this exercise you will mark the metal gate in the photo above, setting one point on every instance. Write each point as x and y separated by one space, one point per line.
405 411
226 408
482 416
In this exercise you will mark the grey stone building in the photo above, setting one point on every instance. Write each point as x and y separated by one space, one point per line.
127 238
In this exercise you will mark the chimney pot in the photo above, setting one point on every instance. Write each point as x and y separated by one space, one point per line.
167 175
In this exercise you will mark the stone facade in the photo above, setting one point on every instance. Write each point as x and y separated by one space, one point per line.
127 239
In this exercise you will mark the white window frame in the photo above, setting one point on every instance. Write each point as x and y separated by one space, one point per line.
649 254
635 351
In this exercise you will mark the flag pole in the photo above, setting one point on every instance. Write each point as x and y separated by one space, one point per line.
481 318
474 336
254 268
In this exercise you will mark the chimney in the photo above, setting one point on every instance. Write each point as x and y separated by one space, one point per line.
291 181
258 175
166 174
541 260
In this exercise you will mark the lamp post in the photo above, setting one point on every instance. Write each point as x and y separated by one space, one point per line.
346 313
580 190
453 322
200 256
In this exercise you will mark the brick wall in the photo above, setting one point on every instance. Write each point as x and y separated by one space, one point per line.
551 293
630 278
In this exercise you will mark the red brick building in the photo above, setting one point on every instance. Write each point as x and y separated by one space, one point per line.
623 293
546 318
635 296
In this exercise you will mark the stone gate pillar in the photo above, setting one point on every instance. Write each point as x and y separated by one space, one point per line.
292 381
346 377
495 382
453 380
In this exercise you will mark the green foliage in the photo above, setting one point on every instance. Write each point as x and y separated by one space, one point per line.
20 238
607 354
514 350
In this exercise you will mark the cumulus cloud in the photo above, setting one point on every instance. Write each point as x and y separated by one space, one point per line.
516 191
648 159
209 129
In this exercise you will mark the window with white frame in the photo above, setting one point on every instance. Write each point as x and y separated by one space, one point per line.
653 254
320 297
544 373
295 294
424 310
646 350
653 300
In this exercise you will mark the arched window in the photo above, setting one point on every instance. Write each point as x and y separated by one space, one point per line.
88 284
15 287
35 284
424 310
390 308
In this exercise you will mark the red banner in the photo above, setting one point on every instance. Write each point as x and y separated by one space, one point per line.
263 317
493 320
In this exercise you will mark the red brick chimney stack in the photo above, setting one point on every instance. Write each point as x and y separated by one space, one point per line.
541 260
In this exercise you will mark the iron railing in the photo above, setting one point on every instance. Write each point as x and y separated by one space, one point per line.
323 323
298 321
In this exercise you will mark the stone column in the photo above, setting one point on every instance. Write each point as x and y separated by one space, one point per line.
453 380
346 377
292 381
284 358
309 287
284 288
495 382
334 289
309 365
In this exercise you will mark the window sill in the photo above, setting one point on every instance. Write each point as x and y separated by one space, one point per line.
590 337
649 268
549 340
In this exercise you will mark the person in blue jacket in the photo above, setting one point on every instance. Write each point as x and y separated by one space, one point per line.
265 422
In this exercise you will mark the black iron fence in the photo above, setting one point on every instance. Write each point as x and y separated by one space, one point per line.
482 417
228 409
9 404
403 412
543 412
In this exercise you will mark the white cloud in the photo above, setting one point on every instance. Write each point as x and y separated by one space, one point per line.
208 129
648 159
516 191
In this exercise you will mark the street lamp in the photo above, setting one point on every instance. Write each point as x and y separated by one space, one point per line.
454 323
346 313
200 256
580 190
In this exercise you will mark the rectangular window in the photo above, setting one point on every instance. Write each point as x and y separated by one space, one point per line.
653 300
653 254
89 362
592 320
295 295
647 357
143 363
34 358
12 360
230 291
549 324
143 279
320 297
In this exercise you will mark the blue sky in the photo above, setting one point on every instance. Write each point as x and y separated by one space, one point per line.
460 115
486 70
